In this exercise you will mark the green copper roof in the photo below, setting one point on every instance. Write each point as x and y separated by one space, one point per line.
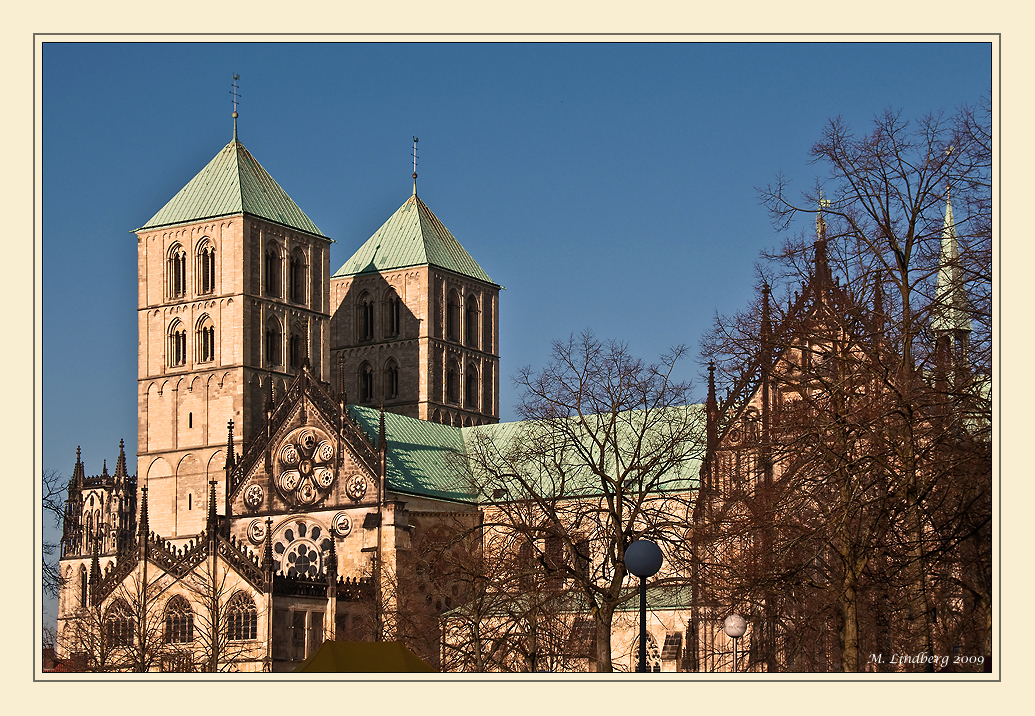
432 460
232 183
412 236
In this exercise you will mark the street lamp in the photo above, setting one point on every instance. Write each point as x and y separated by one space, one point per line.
734 626
643 558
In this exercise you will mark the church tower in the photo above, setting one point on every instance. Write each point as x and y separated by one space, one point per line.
416 323
233 299
950 320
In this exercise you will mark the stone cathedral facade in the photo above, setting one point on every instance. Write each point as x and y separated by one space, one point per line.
295 429
260 521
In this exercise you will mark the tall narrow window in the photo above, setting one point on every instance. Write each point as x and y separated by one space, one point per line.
118 625
471 329
273 264
179 621
296 276
177 271
206 268
471 387
453 383
206 340
392 314
453 317
365 318
391 380
296 346
84 588
241 618
366 383
274 338
487 384
177 344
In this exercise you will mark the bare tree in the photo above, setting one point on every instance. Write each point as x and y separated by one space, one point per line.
53 508
602 458
874 460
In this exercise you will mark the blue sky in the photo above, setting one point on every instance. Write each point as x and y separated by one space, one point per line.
606 186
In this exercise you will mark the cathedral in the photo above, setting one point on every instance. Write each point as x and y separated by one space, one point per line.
263 516
295 477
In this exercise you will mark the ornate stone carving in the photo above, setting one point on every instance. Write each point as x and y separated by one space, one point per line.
356 487
341 524
253 496
305 466
256 531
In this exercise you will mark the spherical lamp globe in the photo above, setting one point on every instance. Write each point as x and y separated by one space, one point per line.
643 558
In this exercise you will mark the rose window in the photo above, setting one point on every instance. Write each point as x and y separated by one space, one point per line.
300 551
306 466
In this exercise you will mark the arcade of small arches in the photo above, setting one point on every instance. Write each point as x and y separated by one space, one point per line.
204 269
273 273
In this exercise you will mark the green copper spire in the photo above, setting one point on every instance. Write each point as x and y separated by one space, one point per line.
951 308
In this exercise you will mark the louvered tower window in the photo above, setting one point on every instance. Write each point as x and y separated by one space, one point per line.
177 271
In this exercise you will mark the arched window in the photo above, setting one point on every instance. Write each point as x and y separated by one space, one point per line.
453 383
391 380
118 625
179 621
273 267
176 268
471 387
274 339
177 344
366 383
392 314
206 267
84 588
297 345
471 327
206 340
241 618
453 316
296 277
365 318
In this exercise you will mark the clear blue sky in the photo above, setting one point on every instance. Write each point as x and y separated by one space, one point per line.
606 186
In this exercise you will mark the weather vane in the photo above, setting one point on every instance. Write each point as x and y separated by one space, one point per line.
415 166
236 95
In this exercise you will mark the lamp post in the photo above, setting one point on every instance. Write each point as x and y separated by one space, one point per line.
734 626
643 559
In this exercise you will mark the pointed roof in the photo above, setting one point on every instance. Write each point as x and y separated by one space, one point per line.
413 236
951 311
232 183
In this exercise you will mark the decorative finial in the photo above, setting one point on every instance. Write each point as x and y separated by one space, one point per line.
415 166
236 95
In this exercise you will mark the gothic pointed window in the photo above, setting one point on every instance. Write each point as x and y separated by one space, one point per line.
206 271
297 277
392 314
272 265
176 269
177 344
471 327
84 588
118 625
471 387
391 380
274 339
206 340
365 318
179 621
241 618
366 383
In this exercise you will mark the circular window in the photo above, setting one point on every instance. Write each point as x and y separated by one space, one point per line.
300 550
